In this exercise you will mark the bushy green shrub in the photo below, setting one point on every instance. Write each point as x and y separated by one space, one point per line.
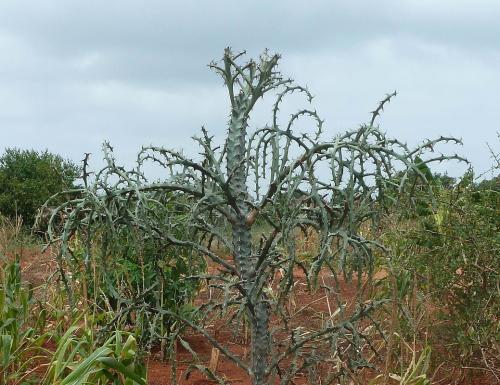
452 255
28 178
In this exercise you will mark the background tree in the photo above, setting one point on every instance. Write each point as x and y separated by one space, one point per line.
283 181
28 178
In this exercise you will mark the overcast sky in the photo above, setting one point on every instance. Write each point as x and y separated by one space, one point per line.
76 73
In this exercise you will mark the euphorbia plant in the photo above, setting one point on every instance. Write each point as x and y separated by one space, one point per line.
283 180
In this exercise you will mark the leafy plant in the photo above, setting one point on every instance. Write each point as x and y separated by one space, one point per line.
28 178
22 333
25 328
451 259
76 361
273 175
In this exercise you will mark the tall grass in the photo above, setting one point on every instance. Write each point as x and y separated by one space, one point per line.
10 234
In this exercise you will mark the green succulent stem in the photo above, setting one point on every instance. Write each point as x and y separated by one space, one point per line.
252 195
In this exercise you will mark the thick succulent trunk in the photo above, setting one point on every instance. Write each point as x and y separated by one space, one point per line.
260 342
257 309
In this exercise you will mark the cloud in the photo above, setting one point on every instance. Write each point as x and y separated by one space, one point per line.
73 74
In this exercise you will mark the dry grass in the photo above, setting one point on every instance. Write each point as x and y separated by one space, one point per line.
10 234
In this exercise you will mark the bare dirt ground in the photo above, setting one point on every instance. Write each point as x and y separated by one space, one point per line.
311 307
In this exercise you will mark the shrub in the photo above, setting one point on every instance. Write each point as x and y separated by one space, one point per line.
28 178
452 257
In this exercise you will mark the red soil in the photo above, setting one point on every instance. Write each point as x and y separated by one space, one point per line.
312 305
